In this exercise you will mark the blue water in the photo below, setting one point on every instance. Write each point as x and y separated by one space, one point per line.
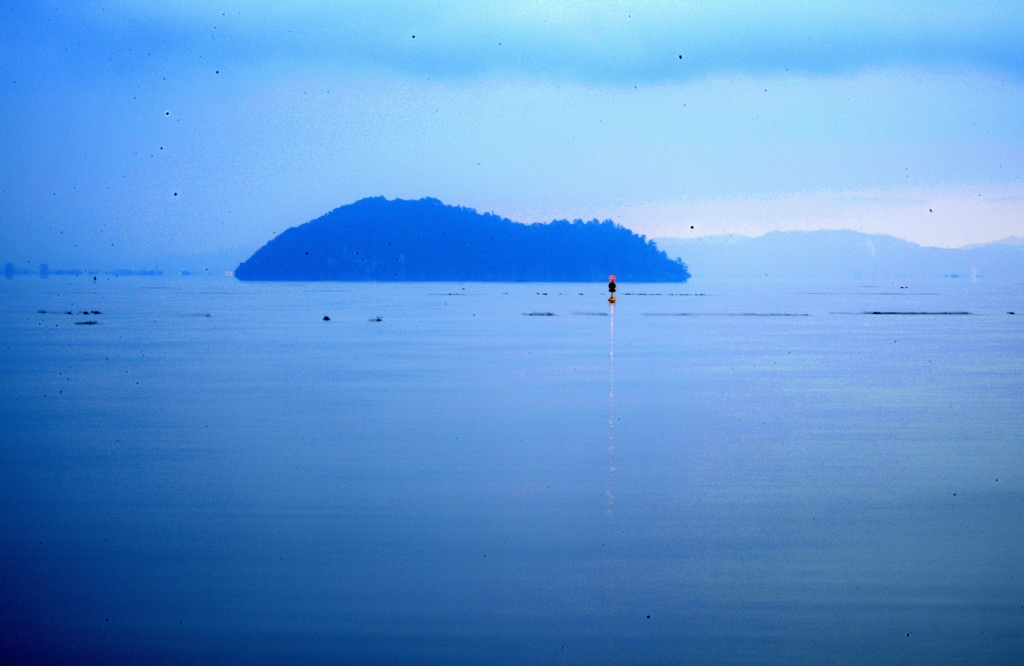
682 480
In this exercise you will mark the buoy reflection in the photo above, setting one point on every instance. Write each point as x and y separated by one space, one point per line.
611 403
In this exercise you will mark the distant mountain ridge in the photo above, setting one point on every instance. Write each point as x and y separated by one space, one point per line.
800 256
1009 240
377 239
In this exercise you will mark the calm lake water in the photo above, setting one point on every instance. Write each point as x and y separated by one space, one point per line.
213 474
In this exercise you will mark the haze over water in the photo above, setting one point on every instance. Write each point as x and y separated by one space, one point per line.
212 473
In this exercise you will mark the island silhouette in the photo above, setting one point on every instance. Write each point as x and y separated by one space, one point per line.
377 239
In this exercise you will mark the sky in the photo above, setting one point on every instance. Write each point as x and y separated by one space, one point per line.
130 131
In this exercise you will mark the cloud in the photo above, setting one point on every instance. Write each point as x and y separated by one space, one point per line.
283 111
596 42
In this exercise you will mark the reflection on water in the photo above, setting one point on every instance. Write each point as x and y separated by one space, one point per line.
611 404
259 485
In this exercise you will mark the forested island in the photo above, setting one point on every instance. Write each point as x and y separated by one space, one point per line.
376 239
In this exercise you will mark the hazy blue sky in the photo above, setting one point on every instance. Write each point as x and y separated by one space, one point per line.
134 129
